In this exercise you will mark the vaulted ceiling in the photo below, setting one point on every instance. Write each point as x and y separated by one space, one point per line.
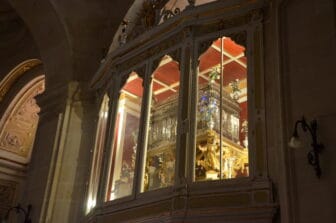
71 37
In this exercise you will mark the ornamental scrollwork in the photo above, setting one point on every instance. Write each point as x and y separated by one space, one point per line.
167 14
151 14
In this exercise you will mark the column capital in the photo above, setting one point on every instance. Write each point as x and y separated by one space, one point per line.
52 101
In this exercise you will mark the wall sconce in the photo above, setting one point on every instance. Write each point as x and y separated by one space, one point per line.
19 209
313 155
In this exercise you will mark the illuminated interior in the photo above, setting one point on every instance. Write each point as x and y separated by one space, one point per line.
222 140
217 156
124 145
162 132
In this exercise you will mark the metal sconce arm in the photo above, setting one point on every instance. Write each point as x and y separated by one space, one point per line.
313 155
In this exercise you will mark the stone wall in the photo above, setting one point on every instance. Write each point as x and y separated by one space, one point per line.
308 55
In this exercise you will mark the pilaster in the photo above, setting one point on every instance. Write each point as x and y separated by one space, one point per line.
61 156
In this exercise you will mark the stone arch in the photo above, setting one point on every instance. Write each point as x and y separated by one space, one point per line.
18 124
16 73
51 38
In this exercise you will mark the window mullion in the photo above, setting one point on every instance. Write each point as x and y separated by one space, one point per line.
221 111
103 186
143 136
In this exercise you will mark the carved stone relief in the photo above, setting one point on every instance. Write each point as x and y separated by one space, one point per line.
19 123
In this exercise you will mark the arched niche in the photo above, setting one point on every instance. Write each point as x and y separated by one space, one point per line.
19 123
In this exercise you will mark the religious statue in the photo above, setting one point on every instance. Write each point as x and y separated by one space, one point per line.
208 156
160 170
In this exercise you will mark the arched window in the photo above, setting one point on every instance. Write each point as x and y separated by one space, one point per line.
221 135
124 143
162 130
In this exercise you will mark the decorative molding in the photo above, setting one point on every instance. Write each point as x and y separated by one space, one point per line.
220 15
244 206
15 74
240 37
150 15
252 16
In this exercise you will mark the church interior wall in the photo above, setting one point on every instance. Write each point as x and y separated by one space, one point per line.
308 57
299 55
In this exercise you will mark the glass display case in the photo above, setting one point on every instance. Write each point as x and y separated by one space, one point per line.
187 129
221 130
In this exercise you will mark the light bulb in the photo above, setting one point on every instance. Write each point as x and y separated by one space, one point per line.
295 143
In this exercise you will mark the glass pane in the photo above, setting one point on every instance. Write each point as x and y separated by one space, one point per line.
97 154
125 139
160 153
221 141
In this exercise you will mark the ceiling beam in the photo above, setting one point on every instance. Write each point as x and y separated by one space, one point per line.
129 94
229 55
167 89
166 86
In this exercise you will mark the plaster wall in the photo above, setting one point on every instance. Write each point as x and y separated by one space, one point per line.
67 199
16 53
309 52
38 170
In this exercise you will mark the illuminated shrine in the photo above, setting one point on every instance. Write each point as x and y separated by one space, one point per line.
182 120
